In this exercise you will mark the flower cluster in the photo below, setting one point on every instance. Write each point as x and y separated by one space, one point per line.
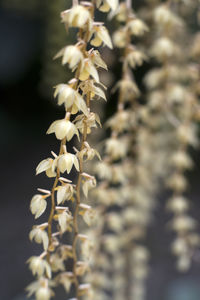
173 103
51 267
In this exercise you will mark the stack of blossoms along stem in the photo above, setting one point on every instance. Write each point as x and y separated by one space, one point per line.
124 197
173 97
76 96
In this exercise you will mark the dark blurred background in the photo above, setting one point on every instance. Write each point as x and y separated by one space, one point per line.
31 34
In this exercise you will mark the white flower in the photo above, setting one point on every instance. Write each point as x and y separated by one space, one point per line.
66 280
183 223
101 35
178 204
89 184
38 205
64 220
119 38
135 58
41 289
40 236
71 55
181 159
63 128
39 266
88 214
163 16
64 192
43 293
77 16
66 162
164 48
88 69
71 98
48 165
137 27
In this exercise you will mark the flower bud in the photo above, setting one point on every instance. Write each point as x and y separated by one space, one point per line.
38 205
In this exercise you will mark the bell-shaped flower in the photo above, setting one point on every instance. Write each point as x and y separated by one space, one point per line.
101 35
66 279
63 129
38 205
40 236
70 98
66 162
87 213
88 69
71 55
97 61
39 266
137 27
47 165
64 192
120 38
89 184
77 16
41 289
64 218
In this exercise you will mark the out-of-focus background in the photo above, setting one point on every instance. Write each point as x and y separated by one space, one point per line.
30 35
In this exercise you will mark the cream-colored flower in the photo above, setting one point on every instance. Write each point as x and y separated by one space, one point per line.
135 58
97 60
64 220
63 129
120 121
87 213
177 182
81 268
106 5
64 192
186 134
38 205
120 38
66 279
129 89
57 262
89 184
39 266
137 27
66 162
88 69
47 165
101 35
140 254
183 223
164 48
116 148
179 246
178 204
71 55
70 98
77 16
181 160
83 289
43 293
89 86
115 222
183 263
163 16
40 236
86 248
41 288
